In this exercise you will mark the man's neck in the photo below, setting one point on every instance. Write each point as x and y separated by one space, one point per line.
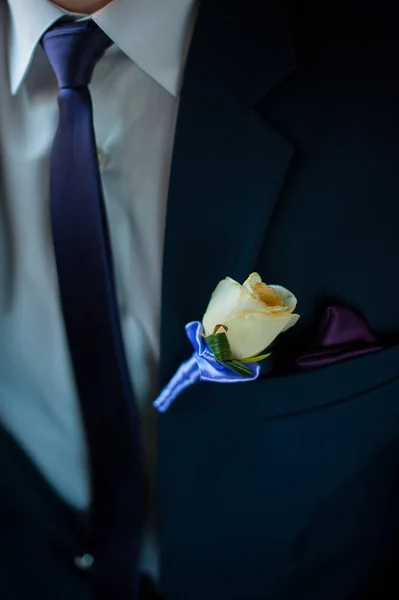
86 7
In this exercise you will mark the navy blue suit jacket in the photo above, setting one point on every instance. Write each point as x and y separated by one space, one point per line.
287 145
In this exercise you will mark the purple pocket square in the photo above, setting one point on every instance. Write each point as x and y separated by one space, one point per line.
343 334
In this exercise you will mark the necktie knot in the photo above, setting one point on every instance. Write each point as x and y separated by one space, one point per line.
73 50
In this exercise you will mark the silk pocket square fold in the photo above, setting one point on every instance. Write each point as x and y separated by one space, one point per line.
343 334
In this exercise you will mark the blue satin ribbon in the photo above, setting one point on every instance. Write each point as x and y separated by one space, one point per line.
202 366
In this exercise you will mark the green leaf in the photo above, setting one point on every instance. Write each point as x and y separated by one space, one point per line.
219 344
255 359
238 367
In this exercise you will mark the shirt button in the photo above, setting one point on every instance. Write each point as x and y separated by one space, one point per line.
102 157
84 562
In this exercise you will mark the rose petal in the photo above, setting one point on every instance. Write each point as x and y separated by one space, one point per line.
252 280
228 299
253 332
287 297
291 323
268 295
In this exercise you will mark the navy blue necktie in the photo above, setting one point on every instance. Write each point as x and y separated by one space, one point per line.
88 298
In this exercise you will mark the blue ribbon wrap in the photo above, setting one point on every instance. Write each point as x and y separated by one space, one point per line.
202 366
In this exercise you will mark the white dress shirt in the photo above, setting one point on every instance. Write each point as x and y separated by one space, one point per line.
135 90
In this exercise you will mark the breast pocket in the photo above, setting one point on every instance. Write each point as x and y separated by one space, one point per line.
318 388
327 462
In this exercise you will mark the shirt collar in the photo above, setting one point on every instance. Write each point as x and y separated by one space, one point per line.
156 37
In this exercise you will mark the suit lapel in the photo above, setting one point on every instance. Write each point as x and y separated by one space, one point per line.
229 163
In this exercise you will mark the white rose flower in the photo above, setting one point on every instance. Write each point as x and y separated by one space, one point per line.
252 314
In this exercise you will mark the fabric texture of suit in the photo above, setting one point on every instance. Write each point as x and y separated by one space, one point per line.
287 146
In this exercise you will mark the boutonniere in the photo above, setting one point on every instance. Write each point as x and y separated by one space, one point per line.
240 323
